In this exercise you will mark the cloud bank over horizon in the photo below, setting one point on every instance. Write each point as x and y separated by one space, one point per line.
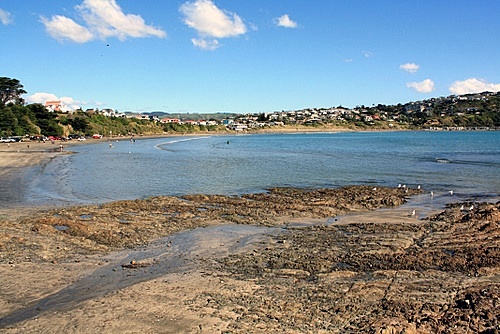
68 103
473 85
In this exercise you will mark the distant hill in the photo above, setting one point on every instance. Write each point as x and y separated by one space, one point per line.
471 111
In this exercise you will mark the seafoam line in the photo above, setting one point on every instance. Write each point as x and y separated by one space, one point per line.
158 146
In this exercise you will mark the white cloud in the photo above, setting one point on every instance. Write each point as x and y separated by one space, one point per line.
5 17
107 19
205 44
68 103
211 22
63 28
367 54
285 21
410 67
41 98
425 86
473 85
103 19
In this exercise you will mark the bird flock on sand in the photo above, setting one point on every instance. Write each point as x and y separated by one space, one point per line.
431 193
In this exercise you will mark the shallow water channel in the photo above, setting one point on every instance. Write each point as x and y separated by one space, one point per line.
173 254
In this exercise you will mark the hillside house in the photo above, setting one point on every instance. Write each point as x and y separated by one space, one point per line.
53 106
170 120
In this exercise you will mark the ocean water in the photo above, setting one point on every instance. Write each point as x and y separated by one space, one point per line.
466 162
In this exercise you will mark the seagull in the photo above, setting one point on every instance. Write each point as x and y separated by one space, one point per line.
418 187
399 185
374 189
462 208
432 193
471 208
451 192
413 213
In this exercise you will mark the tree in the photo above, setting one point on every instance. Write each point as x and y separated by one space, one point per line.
263 117
46 121
10 91
8 122
80 124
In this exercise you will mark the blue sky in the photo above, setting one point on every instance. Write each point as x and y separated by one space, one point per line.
248 56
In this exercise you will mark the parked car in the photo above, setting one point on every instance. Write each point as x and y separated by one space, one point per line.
38 138
81 138
97 136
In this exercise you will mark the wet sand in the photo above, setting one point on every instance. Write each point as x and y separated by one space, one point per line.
25 154
252 264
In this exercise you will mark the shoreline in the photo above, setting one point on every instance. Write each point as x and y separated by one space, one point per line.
30 153
26 154
350 259
19 155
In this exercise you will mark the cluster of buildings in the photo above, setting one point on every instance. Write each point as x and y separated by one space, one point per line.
308 116
435 107
253 121
426 112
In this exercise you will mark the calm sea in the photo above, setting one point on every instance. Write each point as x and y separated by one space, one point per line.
466 162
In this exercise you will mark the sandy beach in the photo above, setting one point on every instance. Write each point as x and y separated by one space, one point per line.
344 260
24 154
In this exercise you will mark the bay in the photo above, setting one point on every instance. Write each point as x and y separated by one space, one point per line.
466 162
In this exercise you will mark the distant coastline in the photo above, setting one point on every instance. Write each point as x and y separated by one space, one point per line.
29 153
453 113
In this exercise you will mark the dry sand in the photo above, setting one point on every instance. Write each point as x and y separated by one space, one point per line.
248 264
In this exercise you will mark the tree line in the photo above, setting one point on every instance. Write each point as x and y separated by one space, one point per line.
34 119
